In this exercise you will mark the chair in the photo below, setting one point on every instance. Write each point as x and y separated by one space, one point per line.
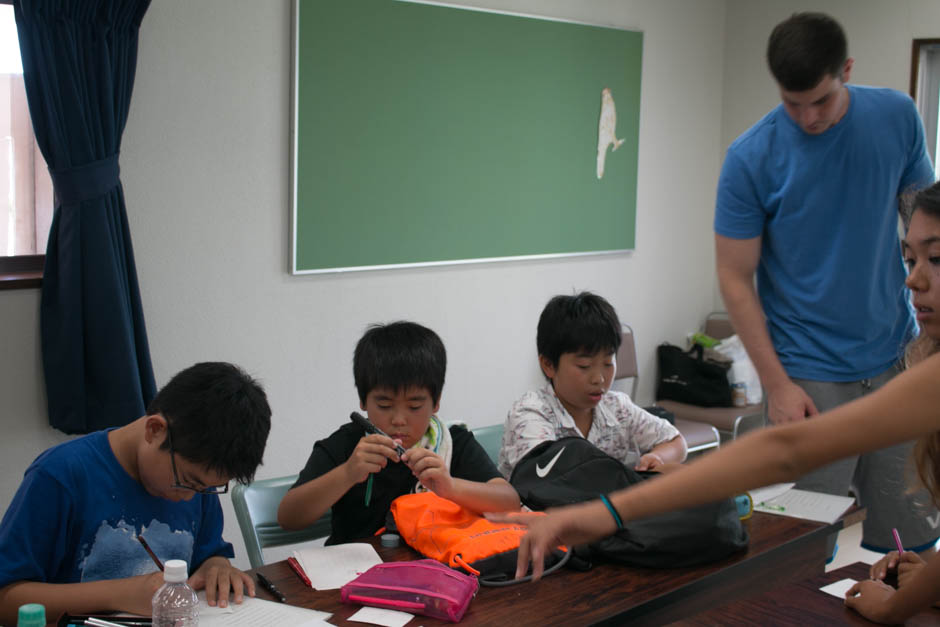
730 421
256 510
698 436
490 438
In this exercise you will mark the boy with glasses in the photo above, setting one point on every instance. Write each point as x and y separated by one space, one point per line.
69 539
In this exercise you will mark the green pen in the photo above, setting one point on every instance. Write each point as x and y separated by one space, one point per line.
776 508
369 490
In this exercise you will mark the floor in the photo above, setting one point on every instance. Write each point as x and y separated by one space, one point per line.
850 550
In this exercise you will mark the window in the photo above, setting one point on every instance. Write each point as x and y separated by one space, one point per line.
925 90
26 199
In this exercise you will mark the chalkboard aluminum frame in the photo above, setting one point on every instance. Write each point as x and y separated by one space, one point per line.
294 96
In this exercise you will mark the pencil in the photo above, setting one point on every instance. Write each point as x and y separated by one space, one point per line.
153 556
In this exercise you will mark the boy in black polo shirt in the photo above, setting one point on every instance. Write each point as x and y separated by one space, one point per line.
399 372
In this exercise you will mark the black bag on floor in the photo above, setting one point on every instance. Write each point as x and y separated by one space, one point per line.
572 470
687 377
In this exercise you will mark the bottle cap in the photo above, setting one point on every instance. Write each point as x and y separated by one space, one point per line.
389 539
175 571
32 615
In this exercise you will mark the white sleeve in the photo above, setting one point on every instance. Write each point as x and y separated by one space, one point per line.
526 427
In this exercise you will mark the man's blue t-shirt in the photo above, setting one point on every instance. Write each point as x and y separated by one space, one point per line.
830 277
77 515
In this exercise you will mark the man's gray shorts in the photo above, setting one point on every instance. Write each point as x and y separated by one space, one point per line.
881 480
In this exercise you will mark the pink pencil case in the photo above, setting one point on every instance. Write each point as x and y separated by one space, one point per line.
417 587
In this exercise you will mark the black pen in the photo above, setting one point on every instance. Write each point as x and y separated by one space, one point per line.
360 420
270 587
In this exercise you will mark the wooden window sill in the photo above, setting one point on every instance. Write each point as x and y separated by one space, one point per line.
19 273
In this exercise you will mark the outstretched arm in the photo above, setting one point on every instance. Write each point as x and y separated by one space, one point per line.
905 408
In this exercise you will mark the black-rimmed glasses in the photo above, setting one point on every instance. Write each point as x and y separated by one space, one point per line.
212 489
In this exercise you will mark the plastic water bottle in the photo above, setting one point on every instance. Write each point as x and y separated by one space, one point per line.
175 603
31 615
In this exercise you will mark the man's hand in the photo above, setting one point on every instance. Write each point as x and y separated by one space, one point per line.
219 577
788 402
431 471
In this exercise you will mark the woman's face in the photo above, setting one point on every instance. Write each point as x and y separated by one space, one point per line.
921 250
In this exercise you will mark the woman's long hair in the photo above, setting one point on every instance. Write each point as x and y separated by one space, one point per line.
927 448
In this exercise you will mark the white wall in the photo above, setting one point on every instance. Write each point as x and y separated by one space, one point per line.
879 34
205 170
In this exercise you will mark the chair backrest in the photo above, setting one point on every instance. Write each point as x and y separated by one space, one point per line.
256 510
490 438
627 367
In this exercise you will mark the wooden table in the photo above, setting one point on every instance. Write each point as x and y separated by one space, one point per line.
781 549
800 603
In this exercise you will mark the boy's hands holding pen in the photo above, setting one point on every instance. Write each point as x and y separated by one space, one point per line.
431 471
907 565
220 578
371 455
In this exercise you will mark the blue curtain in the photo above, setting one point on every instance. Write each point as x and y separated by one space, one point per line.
79 59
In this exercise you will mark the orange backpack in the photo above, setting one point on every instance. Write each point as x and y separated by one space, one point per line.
444 531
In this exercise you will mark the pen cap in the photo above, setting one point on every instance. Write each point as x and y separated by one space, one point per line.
175 571
31 615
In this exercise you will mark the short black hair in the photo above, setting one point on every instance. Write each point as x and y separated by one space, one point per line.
218 417
399 355
583 322
805 48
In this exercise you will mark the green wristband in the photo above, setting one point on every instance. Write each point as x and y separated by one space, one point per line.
612 511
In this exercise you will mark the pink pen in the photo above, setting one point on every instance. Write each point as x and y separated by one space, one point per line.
897 540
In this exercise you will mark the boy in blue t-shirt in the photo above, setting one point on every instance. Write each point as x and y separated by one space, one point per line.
69 539
399 372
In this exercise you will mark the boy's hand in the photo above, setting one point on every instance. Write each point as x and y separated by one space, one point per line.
908 564
219 577
430 470
137 597
370 455
650 461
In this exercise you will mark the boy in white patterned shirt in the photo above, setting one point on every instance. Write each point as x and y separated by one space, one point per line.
578 337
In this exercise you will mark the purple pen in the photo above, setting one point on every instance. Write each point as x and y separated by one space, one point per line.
897 540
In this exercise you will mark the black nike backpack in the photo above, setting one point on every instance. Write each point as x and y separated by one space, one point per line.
572 470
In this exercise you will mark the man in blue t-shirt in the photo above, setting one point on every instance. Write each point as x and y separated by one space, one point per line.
70 536
807 201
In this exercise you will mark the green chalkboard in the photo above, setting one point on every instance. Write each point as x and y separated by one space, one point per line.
432 134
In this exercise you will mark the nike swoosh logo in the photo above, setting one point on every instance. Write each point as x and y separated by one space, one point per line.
541 472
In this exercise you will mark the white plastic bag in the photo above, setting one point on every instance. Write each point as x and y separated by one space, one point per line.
742 370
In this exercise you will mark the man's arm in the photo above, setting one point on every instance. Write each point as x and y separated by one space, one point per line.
737 261
132 594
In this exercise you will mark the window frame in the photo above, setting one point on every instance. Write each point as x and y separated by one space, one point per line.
20 271
916 46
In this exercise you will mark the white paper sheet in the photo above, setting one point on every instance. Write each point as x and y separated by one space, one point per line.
769 492
379 616
839 588
254 612
816 506
330 567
